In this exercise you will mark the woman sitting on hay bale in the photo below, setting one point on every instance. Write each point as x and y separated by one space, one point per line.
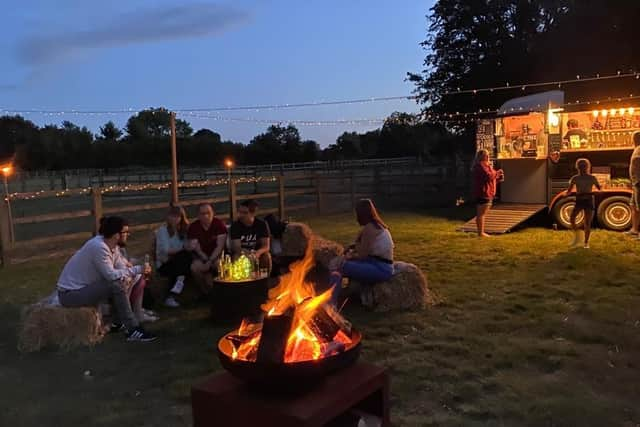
370 259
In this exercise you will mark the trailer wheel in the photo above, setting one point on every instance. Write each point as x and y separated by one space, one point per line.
614 213
562 212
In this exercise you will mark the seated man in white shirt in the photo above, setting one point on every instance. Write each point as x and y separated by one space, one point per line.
91 277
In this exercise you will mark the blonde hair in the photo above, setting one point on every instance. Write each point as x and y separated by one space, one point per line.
479 156
583 166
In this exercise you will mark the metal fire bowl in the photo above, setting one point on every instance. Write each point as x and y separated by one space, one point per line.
288 376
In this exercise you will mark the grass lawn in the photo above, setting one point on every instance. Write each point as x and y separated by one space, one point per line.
528 333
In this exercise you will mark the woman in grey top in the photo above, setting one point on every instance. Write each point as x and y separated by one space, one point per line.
370 259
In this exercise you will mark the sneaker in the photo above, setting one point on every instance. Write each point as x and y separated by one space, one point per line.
117 327
630 233
145 318
586 246
139 334
178 287
150 312
171 302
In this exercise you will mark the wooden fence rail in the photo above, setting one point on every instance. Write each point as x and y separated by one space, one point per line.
318 188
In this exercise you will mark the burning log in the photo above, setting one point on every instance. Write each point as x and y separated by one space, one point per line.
275 333
344 324
323 325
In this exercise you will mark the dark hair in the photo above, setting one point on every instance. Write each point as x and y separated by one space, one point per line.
636 138
183 224
250 204
572 123
111 225
583 165
366 213
209 205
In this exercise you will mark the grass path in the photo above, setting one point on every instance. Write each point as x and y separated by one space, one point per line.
528 333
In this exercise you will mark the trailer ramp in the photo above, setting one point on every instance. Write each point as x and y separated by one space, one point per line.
504 217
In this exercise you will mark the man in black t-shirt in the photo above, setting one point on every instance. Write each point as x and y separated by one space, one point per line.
250 233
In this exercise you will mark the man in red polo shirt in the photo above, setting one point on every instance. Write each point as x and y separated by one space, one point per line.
206 237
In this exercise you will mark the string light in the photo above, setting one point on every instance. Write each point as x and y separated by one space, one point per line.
458 90
130 188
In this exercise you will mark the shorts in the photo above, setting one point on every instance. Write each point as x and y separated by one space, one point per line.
585 202
481 201
635 197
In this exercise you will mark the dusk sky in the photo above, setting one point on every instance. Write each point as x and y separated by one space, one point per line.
90 55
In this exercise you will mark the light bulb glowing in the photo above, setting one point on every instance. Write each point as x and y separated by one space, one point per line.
604 113
595 113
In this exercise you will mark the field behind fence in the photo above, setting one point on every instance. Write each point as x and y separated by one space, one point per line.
48 223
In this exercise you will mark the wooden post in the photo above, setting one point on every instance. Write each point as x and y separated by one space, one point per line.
281 211
353 189
174 162
5 232
232 201
96 195
319 194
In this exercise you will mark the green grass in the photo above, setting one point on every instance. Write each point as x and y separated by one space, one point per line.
527 333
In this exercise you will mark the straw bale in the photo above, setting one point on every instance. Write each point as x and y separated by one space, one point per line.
407 289
325 250
47 325
295 239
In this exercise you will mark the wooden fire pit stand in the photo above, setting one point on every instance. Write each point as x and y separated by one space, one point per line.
223 400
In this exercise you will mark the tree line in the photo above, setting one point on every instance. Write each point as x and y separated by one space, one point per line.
488 43
144 141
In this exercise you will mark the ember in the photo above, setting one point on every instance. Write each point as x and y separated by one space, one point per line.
297 326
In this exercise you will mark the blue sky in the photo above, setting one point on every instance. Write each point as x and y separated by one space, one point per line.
84 55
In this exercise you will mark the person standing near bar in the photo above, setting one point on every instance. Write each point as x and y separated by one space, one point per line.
634 176
585 201
484 187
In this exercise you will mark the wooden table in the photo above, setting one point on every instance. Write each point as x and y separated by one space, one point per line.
223 400
233 300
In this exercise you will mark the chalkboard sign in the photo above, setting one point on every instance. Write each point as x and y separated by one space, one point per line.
555 143
484 137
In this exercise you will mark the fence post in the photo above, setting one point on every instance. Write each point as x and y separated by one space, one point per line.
96 195
376 183
232 201
319 194
281 210
5 232
353 189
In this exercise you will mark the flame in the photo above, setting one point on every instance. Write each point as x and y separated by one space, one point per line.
295 292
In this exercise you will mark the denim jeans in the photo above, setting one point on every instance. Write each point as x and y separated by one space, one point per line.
367 271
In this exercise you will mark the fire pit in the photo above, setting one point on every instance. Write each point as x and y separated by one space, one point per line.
300 336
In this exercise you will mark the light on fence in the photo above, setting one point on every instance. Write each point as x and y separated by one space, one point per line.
7 170
228 162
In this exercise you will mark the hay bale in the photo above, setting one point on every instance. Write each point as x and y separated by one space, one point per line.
325 250
45 325
406 290
295 239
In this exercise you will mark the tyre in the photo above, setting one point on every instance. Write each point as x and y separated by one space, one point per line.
614 213
562 212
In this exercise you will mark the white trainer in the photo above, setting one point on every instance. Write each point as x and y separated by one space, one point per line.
171 302
178 286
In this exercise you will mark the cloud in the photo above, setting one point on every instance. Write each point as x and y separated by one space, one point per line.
141 26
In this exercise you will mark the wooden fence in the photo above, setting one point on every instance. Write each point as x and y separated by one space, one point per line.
315 192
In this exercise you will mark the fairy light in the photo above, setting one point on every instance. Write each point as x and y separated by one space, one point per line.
137 187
